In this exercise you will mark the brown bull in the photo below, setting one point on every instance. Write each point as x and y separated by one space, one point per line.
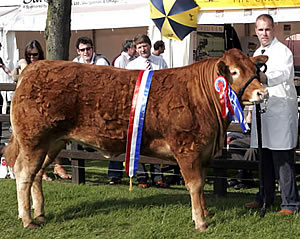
58 101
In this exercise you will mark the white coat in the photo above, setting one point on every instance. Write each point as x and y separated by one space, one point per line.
280 121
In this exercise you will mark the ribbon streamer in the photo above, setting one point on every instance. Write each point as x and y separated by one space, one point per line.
136 121
230 104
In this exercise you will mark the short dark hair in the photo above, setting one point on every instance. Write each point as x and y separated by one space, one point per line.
264 17
30 46
142 38
158 44
84 40
127 44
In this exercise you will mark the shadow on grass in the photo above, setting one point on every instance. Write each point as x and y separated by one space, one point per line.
234 200
105 206
88 208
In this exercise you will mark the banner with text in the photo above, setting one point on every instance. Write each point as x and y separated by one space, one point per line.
245 4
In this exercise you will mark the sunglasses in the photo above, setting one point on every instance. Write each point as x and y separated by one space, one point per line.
87 48
32 54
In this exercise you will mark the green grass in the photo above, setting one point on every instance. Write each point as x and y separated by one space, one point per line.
97 210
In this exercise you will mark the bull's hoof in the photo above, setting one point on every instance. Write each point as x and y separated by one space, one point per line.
32 225
208 214
41 219
202 227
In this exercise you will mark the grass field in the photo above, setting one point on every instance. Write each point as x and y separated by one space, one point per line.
98 210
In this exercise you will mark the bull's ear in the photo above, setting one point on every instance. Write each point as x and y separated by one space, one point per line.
259 59
223 70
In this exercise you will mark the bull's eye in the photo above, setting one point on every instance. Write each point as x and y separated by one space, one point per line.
235 73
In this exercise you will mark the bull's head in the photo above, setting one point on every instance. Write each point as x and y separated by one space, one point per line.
244 76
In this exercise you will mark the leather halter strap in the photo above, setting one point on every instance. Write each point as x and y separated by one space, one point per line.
256 76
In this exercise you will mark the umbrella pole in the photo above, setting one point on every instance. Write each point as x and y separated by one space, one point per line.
261 175
171 53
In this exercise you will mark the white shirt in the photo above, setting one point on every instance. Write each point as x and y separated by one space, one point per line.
122 60
140 63
95 61
280 121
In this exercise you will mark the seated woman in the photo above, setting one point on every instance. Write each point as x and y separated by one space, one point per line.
34 52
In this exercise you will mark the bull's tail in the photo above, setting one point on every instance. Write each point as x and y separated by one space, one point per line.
11 151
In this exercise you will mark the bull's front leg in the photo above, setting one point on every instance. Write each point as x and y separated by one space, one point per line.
197 210
194 184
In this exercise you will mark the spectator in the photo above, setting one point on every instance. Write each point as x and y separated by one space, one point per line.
85 50
4 97
143 43
239 148
128 54
115 168
279 122
146 61
33 53
3 66
87 55
159 48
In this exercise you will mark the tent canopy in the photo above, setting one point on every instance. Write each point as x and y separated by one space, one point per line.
15 15
86 15
20 15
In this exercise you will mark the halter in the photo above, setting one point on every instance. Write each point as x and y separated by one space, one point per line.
258 66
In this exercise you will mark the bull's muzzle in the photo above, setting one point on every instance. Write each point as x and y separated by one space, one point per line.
263 95
258 96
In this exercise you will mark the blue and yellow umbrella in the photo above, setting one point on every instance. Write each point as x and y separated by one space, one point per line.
174 18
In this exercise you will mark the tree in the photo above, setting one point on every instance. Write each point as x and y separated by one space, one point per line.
58 29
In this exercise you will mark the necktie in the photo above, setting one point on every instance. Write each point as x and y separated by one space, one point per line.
263 51
149 67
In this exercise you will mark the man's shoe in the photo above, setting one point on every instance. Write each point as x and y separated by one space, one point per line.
143 185
252 205
114 181
232 182
46 177
161 184
285 212
240 186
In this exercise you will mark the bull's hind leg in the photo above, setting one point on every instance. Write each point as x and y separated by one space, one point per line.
195 184
38 198
26 167
36 189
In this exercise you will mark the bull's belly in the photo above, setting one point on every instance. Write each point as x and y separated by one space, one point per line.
108 150
112 147
158 148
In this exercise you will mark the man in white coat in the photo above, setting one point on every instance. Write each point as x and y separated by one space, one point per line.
279 122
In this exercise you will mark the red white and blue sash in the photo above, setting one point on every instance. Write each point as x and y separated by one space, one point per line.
136 121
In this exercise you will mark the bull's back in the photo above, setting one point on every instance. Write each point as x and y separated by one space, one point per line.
92 103
61 95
